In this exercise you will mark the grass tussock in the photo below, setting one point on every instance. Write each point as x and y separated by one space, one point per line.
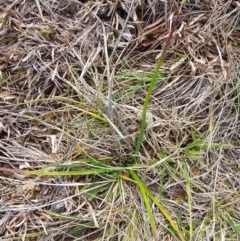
74 76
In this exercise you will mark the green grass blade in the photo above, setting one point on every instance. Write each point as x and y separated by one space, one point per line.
157 203
188 188
150 90
144 190
93 171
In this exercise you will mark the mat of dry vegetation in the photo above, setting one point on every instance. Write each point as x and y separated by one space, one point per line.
73 80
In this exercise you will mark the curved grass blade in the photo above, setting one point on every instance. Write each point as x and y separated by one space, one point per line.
150 89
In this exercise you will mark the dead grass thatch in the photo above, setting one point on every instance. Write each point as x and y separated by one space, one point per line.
73 79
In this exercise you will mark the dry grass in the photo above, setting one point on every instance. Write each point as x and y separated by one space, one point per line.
73 79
